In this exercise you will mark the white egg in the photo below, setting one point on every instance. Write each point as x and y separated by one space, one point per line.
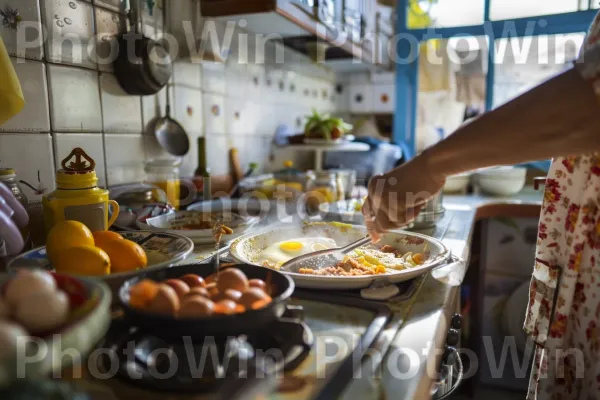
42 312
27 283
283 251
9 338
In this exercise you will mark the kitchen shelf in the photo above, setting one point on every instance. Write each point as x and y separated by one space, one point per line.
319 149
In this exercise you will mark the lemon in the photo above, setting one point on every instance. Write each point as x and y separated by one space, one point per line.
125 255
83 261
67 234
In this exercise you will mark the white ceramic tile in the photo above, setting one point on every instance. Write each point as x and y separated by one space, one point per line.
108 27
384 98
214 114
91 143
120 111
125 157
70 30
26 40
39 159
361 98
154 107
113 5
74 99
186 73
187 109
342 97
213 78
218 156
35 116
190 160
239 118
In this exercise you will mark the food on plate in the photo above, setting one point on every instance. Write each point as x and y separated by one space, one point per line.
323 126
125 255
165 301
278 253
193 280
101 238
73 249
67 234
370 260
34 302
83 260
227 293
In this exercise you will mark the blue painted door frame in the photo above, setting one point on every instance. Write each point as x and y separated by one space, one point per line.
407 57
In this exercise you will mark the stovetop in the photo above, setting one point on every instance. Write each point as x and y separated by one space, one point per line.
338 329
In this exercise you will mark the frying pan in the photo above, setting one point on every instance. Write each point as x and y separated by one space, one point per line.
218 325
143 66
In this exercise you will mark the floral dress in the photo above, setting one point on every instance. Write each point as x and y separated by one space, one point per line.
563 316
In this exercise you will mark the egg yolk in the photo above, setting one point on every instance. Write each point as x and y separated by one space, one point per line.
291 247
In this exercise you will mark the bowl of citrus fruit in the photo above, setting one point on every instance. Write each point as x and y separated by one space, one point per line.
72 249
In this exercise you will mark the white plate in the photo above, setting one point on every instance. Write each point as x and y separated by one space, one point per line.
247 249
166 223
325 142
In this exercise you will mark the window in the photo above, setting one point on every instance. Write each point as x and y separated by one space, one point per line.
443 13
523 63
508 9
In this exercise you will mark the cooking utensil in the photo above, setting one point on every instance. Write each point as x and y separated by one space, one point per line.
323 258
148 68
248 249
170 134
223 325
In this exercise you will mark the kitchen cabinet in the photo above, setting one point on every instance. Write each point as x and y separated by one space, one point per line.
348 27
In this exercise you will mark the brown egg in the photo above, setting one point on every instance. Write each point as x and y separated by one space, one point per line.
166 301
232 278
196 307
210 279
257 283
251 296
233 295
226 307
179 286
198 291
193 280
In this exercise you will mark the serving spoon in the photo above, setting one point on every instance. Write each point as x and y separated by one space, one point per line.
322 258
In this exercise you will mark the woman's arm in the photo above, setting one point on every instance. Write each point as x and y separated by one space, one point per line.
557 118
560 117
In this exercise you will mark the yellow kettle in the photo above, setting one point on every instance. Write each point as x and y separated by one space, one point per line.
77 196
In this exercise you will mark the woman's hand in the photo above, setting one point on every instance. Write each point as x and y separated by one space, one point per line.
12 216
396 197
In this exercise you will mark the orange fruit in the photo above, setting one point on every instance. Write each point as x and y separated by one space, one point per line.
125 255
67 234
103 237
83 261
142 293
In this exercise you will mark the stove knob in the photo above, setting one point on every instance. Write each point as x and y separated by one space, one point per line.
453 337
456 322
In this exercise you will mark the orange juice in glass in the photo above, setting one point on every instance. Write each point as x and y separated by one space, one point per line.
164 173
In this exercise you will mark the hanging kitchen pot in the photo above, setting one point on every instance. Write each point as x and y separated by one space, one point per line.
147 69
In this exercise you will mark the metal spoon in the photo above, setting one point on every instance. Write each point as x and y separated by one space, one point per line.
170 134
323 258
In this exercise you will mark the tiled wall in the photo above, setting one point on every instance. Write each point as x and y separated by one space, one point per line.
74 101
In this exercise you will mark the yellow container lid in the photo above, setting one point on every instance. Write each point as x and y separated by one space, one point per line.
77 171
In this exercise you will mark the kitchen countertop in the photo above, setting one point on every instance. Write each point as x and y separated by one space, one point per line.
409 362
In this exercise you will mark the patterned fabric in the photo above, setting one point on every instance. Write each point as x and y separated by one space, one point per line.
563 316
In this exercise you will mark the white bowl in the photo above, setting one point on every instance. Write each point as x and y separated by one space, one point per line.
457 183
502 181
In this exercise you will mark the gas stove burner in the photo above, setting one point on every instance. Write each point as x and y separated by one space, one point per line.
204 364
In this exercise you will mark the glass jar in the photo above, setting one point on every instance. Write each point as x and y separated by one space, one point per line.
322 187
164 173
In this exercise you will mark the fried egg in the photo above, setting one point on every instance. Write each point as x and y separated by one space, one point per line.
281 252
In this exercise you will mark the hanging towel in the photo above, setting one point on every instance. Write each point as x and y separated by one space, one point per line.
11 95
